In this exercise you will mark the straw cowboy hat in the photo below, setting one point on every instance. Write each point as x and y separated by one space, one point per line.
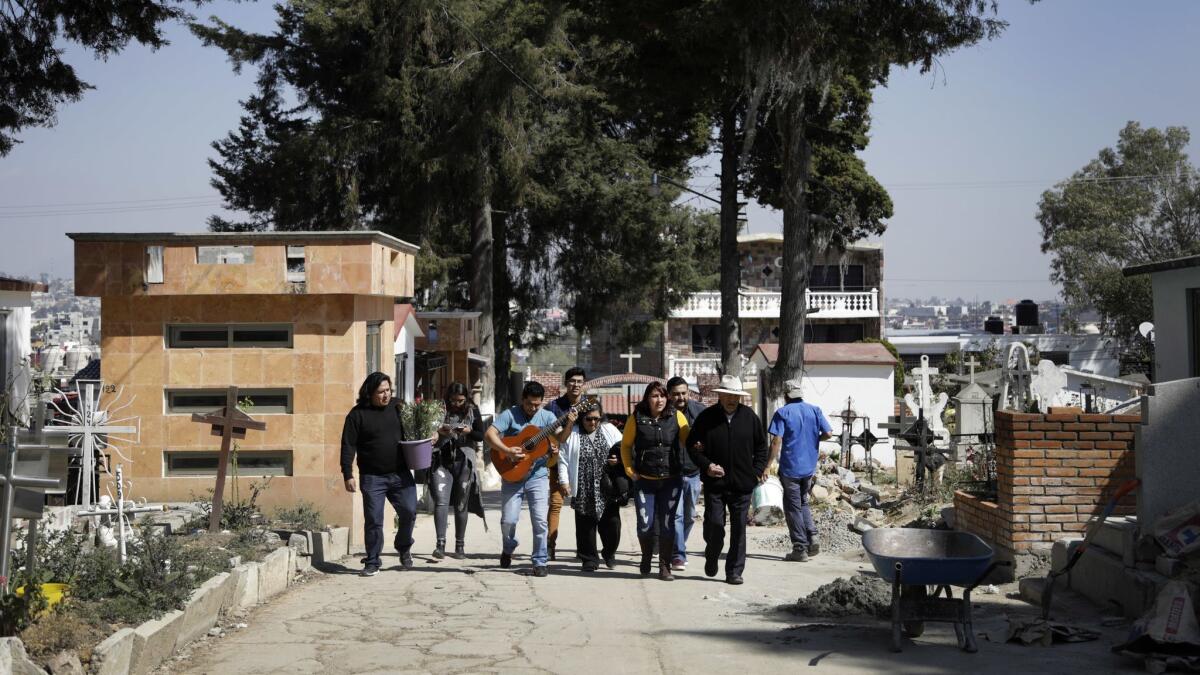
730 384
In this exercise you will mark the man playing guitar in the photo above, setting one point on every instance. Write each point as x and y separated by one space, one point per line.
534 487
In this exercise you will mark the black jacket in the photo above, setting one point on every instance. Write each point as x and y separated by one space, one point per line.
691 411
372 437
738 446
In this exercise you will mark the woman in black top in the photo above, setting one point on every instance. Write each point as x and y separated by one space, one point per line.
452 477
372 435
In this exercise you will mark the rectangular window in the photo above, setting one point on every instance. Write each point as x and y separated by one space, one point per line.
830 278
706 338
373 347
154 264
265 401
224 255
836 332
250 463
295 263
184 336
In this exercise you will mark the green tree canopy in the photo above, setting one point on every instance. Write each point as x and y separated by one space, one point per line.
1135 203
34 78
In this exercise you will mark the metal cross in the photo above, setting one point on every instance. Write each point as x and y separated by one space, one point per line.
90 423
847 416
120 510
10 482
631 356
228 423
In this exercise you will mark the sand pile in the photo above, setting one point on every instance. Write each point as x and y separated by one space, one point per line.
847 597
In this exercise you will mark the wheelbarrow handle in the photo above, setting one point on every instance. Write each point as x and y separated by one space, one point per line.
986 573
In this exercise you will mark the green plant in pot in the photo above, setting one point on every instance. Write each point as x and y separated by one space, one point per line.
420 421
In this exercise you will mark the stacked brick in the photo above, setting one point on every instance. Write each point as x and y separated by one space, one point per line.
1055 472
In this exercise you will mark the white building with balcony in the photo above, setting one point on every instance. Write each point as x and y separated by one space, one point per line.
844 302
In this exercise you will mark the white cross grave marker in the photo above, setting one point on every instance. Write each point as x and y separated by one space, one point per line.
631 356
926 401
972 363
88 423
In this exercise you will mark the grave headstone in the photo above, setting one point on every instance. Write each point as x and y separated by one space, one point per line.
927 404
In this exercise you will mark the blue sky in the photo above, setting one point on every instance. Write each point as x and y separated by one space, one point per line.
965 152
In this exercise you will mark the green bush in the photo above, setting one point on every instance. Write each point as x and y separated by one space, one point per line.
304 516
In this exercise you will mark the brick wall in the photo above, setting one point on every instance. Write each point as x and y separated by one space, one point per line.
551 381
1054 473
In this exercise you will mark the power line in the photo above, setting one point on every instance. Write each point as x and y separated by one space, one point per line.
118 201
110 211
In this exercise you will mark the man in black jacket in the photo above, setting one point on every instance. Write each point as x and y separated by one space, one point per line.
727 443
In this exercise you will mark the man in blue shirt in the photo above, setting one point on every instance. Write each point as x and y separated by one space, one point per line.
797 429
535 486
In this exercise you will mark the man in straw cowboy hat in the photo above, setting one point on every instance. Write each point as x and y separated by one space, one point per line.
727 443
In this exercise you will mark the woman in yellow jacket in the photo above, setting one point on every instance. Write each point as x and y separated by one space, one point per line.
652 450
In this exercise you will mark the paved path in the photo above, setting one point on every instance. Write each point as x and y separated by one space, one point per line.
471 616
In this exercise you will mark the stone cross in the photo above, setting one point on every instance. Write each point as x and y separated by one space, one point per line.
9 482
972 363
932 406
631 356
88 422
228 423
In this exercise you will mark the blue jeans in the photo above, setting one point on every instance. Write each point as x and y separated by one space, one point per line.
536 490
686 516
801 528
401 491
656 501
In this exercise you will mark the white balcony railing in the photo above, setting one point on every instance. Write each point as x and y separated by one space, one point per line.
767 305
693 367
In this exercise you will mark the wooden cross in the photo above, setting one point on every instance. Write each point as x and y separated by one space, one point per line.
631 356
228 423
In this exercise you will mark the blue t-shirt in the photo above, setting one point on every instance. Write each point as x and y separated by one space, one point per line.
800 425
513 420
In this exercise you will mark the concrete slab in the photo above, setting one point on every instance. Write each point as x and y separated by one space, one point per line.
114 656
154 641
14 659
245 590
273 574
1104 579
1167 457
339 543
300 543
203 609
1119 537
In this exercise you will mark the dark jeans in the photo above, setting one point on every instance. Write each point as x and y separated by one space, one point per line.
609 528
401 491
715 505
801 528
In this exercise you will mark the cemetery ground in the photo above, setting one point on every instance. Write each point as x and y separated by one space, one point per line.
472 616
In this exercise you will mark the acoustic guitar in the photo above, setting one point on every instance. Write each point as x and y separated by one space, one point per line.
535 442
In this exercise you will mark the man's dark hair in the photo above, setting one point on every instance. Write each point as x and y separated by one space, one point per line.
533 389
572 372
369 386
675 382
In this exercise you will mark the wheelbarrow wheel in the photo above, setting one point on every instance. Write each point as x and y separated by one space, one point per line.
916 594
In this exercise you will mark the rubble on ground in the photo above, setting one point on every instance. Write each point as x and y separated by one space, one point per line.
858 595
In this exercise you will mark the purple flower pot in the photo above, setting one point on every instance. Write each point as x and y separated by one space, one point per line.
418 455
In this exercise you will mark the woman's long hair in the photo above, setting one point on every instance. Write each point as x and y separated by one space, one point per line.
369 386
644 406
457 389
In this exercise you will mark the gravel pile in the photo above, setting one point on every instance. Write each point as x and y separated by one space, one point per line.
833 532
858 595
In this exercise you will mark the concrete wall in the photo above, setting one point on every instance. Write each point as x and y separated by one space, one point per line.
1168 442
1173 337
324 368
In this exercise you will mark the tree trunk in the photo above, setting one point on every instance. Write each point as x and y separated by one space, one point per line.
797 249
481 280
502 353
731 264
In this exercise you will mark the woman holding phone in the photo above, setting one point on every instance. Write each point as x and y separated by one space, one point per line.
452 476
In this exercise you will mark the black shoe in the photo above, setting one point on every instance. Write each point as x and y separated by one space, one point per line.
369 571
540 571
610 562
735 581
590 566
439 551
711 565
506 560
814 548
664 573
460 552
406 560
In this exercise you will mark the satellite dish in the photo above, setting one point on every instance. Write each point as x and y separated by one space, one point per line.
1147 330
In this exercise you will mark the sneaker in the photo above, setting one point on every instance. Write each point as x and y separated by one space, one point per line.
369 571
406 560
734 581
540 571
590 566
610 561
814 548
506 560
460 552
710 566
797 555
678 565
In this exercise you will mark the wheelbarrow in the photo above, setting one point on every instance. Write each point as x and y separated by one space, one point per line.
922 565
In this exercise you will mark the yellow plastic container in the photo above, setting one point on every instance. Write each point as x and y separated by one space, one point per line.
54 593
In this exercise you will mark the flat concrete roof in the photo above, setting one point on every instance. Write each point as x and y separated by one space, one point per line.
778 238
1163 266
860 353
247 238
20 285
